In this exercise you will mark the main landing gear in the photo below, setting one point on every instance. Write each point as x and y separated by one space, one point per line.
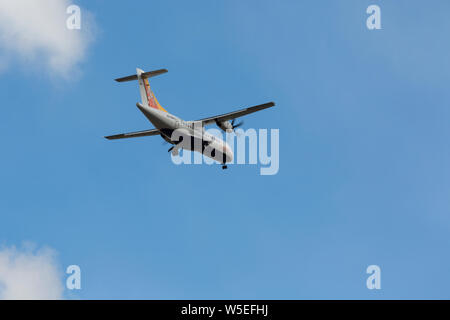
175 150
224 166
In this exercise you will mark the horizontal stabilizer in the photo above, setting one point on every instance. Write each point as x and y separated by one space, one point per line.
144 75
136 134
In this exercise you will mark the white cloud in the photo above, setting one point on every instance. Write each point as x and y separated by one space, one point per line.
35 33
30 274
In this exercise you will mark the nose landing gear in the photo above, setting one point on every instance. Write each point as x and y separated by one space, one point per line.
224 161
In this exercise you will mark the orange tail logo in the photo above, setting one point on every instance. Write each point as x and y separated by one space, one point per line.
152 101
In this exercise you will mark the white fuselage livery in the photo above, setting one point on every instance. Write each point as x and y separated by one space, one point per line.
194 136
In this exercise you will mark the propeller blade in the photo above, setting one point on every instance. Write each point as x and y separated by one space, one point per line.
238 125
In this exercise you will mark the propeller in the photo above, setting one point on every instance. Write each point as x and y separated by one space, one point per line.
234 126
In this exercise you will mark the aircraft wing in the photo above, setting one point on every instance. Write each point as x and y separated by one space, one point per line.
235 114
144 133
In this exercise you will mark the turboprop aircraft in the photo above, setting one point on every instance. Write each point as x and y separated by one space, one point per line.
188 135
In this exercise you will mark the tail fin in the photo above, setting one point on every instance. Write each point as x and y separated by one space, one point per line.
147 96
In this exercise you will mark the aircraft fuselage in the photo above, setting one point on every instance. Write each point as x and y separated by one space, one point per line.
186 135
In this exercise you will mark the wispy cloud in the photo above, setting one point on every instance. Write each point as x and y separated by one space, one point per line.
34 33
27 273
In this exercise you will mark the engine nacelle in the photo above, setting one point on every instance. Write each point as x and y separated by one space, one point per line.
225 126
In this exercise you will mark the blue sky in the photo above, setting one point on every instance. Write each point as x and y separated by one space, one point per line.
364 155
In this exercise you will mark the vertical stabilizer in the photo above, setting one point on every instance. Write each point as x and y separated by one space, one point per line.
147 96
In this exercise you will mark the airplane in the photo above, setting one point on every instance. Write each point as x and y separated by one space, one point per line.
188 135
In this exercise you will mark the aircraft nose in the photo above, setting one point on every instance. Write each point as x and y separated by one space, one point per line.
230 157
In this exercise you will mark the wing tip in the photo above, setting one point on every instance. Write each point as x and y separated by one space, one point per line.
144 133
115 136
265 105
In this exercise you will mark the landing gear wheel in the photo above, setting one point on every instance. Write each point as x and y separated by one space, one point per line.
224 167
175 150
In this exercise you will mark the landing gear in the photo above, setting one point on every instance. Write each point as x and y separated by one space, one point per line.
176 147
175 150
224 167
